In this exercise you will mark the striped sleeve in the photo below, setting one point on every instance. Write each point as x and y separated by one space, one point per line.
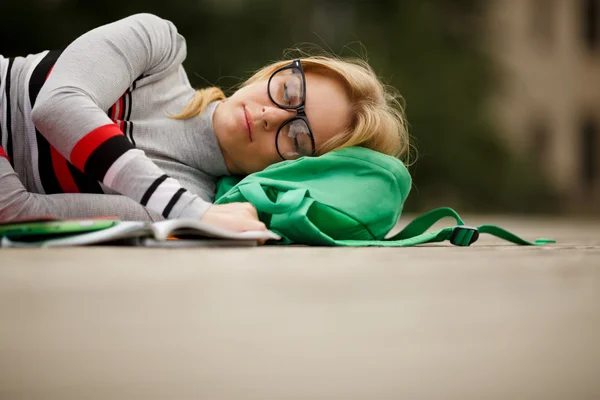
90 75
17 202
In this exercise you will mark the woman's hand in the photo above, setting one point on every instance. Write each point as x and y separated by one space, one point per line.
237 217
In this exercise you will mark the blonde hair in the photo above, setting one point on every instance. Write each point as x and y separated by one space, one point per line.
377 122
201 99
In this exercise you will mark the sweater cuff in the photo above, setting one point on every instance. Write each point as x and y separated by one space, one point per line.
194 209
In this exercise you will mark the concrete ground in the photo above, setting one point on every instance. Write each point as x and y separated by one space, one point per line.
432 322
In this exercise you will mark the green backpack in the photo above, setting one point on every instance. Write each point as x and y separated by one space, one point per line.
348 197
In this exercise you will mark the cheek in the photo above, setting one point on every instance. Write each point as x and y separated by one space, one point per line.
266 149
255 93
227 116
264 154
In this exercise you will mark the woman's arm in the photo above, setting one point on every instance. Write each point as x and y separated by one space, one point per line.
16 202
87 79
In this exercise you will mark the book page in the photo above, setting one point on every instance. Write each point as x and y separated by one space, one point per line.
185 227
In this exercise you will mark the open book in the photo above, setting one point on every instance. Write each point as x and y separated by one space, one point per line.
168 233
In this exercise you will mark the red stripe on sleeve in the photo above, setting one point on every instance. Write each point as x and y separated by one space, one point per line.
61 170
90 142
3 154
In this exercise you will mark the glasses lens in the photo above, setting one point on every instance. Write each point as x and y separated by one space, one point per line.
287 88
294 140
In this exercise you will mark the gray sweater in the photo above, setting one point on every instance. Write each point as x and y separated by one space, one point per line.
93 121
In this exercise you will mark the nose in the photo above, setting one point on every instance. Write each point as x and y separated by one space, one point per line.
273 117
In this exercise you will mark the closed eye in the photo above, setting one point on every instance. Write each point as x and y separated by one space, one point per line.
292 91
297 145
286 95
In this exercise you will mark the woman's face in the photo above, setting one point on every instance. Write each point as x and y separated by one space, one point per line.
246 123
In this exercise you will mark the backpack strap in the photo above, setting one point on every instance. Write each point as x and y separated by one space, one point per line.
459 235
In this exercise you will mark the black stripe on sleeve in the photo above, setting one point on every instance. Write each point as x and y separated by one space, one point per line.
128 123
105 155
126 103
111 111
45 166
84 183
9 149
152 189
172 202
40 73
129 131
129 96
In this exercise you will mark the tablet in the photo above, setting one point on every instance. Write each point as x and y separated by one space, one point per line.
40 230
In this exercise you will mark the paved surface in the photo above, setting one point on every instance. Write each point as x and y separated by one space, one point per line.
490 321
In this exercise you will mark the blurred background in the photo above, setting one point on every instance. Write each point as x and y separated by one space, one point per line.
502 96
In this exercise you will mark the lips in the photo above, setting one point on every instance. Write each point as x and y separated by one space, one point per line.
249 122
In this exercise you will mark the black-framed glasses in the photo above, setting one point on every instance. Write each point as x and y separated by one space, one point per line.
287 90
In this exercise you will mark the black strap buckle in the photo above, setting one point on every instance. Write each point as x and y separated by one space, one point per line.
464 235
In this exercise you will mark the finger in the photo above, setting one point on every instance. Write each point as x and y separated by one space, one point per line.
251 209
256 226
